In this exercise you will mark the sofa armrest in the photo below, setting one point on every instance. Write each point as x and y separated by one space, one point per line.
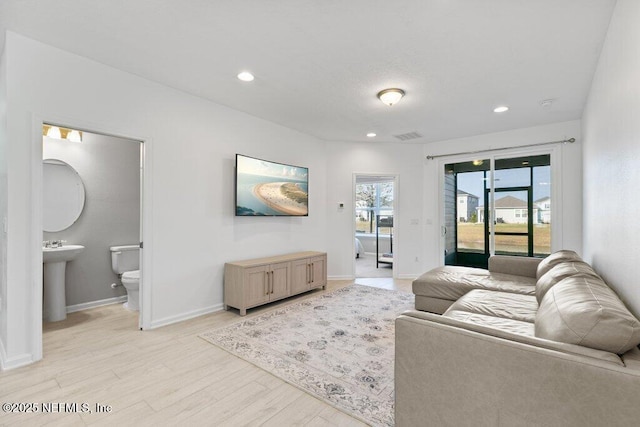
516 265
450 375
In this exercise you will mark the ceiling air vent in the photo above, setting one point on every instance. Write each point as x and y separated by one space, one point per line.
408 136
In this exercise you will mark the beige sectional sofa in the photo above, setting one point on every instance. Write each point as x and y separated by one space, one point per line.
527 342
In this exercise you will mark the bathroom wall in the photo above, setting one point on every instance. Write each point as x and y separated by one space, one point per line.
110 170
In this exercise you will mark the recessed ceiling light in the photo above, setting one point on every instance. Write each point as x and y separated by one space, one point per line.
246 76
371 134
501 109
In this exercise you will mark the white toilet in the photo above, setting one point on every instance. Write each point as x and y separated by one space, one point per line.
125 262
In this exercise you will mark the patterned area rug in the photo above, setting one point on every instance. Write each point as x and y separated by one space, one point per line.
338 347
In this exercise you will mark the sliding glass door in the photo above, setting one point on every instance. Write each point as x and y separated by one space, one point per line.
508 214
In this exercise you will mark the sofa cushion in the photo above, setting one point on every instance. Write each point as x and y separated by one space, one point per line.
583 310
498 304
450 283
556 258
559 272
501 323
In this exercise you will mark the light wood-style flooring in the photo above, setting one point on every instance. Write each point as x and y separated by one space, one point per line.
165 376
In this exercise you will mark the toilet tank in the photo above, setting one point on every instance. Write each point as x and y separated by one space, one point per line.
125 258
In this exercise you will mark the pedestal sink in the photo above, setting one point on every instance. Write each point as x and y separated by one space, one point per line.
55 264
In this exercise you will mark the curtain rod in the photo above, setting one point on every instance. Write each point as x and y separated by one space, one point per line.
564 141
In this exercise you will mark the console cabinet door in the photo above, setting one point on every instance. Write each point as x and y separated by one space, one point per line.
279 280
256 289
318 266
300 276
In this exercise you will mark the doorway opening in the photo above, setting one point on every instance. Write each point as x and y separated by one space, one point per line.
499 206
107 175
374 197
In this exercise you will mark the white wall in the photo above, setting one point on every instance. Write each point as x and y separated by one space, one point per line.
191 145
611 127
344 159
570 227
3 206
110 171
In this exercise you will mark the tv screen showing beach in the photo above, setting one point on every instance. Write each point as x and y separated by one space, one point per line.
266 188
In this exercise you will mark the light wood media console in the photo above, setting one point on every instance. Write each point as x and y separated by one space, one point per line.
254 282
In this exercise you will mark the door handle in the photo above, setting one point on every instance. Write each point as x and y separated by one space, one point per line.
266 282
313 274
271 281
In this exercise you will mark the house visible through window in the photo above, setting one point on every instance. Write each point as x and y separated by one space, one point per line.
515 193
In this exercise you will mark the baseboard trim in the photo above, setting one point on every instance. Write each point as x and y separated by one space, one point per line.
341 277
14 362
93 304
186 316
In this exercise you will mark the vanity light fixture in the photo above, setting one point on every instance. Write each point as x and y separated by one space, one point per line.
390 96
501 109
246 76
54 132
58 132
74 135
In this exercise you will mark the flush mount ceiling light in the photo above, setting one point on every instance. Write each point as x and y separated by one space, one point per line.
246 76
390 96
501 109
371 135
478 162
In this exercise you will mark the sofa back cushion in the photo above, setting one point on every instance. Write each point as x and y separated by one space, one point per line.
556 258
583 310
559 272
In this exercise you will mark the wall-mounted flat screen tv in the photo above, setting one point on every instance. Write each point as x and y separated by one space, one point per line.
265 188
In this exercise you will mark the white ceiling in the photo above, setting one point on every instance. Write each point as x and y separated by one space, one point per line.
319 63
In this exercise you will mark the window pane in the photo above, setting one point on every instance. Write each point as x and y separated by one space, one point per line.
386 194
542 204
519 177
511 245
469 211
365 195
365 221
471 237
373 198
512 214
541 239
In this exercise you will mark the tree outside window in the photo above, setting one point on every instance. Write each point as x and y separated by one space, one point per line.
373 199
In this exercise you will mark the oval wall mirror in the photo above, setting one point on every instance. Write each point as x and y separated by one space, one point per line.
63 195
